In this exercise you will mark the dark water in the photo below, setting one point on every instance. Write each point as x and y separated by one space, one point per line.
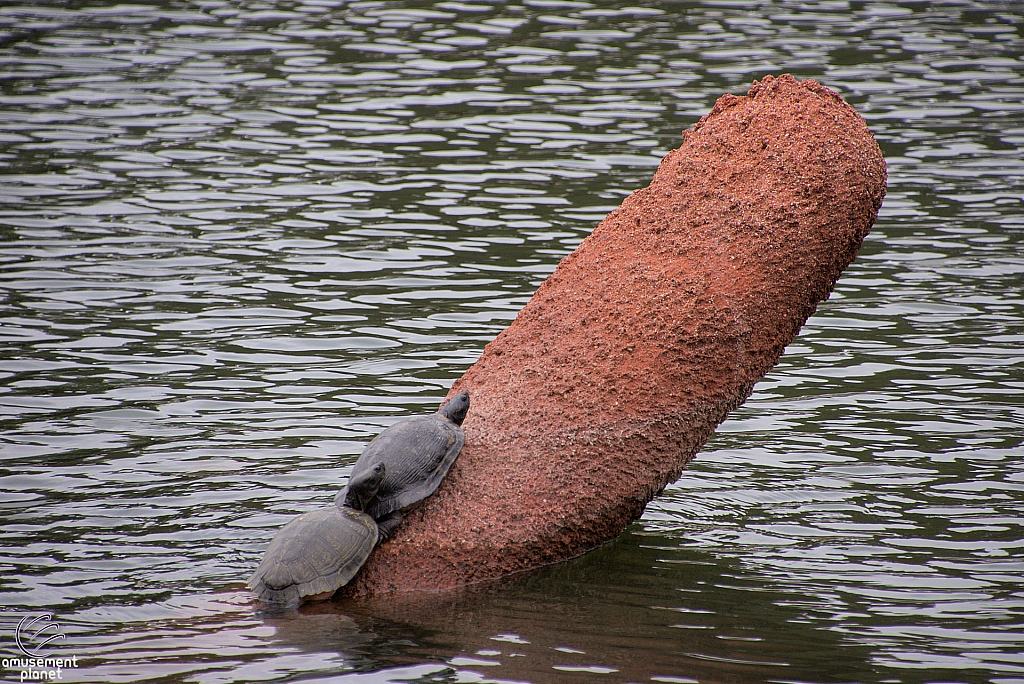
237 239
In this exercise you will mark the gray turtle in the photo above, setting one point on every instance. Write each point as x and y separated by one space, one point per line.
417 452
320 551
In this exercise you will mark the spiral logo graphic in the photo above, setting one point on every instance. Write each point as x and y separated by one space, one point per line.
35 632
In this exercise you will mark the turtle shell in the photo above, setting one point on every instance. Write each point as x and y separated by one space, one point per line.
315 553
417 453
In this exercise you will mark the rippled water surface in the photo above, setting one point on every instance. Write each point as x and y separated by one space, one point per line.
238 239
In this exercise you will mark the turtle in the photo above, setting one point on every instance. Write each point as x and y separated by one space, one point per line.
417 452
318 552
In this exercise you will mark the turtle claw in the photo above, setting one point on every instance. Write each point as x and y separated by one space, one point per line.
387 525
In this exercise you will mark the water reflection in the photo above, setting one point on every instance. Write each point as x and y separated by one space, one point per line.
595 616
239 239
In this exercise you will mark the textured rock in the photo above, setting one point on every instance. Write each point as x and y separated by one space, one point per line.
640 343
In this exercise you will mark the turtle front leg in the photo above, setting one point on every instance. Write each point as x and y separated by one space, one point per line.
387 525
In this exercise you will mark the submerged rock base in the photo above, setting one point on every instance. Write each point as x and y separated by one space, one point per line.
639 344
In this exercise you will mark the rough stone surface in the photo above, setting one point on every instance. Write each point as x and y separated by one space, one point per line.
639 344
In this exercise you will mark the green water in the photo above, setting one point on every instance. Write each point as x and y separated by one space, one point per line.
239 239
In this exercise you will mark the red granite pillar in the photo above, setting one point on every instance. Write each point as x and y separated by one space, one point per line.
639 344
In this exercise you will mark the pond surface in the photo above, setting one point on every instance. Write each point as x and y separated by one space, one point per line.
238 239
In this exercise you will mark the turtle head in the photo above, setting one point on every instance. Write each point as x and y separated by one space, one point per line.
456 409
363 487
